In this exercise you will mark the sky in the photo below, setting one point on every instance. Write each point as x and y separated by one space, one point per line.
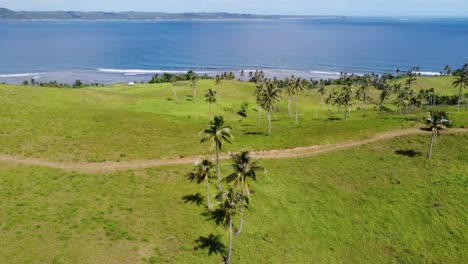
282 7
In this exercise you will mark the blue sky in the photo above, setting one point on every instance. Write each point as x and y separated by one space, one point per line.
293 7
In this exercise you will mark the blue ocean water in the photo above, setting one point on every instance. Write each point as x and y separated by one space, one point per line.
118 50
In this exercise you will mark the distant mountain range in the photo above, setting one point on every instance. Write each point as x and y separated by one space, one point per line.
7 14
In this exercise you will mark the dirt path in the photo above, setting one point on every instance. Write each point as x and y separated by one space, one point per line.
268 154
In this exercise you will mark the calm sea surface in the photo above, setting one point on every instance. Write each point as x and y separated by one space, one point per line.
117 51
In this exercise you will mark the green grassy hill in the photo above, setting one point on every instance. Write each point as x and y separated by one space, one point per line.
383 202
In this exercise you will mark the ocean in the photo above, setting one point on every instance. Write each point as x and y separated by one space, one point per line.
113 51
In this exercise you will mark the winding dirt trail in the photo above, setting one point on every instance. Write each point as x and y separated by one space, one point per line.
267 154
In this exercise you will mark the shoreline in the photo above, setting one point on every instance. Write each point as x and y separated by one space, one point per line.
111 76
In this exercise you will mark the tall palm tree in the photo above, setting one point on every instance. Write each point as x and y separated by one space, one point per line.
244 167
270 96
194 87
298 87
411 79
210 97
436 121
174 84
203 172
384 95
461 82
258 96
217 134
363 93
231 202
345 99
331 99
448 69
289 90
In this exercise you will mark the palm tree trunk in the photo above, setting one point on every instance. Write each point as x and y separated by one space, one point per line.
219 170
258 110
269 121
459 98
430 148
297 107
290 108
208 204
228 259
239 230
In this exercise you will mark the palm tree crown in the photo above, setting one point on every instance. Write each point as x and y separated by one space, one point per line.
244 167
217 134
461 82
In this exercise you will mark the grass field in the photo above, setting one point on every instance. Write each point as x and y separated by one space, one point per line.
343 206
383 202
144 122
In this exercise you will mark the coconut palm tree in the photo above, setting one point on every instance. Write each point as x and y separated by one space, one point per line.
258 96
230 203
384 95
331 100
461 82
362 94
210 97
298 87
194 87
174 84
345 99
270 96
244 167
217 134
289 90
411 77
448 69
203 172
436 121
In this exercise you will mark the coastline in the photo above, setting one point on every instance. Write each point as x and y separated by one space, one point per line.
111 76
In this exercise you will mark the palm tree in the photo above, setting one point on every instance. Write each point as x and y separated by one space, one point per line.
230 203
210 97
298 86
244 167
218 80
398 72
258 96
436 122
289 89
270 96
363 93
384 95
345 99
331 100
411 79
461 82
448 69
174 84
217 134
203 172
194 87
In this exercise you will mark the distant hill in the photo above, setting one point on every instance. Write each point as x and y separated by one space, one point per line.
7 14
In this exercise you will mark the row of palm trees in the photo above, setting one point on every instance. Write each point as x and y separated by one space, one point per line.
233 199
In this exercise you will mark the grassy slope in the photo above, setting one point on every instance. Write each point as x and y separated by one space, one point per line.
127 123
343 207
